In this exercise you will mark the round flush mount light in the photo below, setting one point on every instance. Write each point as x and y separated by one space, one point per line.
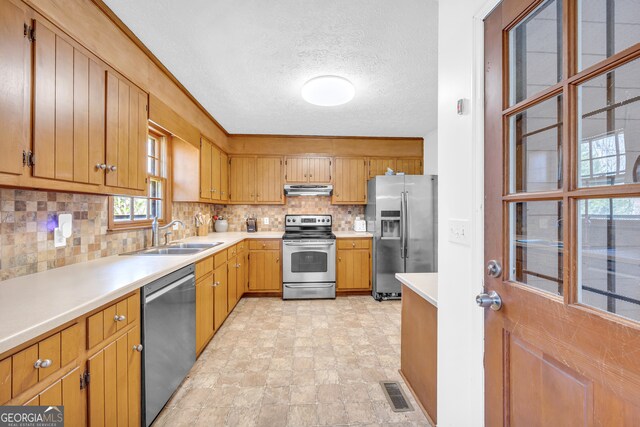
328 91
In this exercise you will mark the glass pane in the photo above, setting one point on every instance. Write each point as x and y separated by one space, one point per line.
609 127
155 189
309 262
536 147
605 28
536 245
121 208
151 147
156 209
535 51
140 207
151 166
609 255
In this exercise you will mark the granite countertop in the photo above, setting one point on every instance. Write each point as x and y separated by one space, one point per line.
36 303
424 284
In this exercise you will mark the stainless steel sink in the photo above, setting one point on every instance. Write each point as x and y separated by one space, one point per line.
176 249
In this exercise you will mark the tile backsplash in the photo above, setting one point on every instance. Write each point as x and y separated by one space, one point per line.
28 218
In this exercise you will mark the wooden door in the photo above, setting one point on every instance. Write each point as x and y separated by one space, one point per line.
409 166
65 392
561 221
204 312
242 179
220 310
15 103
379 166
320 170
206 166
353 269
265 271
350 181
215 173
126 134
269 186
296 170
245 271
224 176
232 283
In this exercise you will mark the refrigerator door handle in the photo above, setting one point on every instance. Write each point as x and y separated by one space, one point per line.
407 232
402 225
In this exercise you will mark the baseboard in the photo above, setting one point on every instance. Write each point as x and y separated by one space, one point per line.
424 411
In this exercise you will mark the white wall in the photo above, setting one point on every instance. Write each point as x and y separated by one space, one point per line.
460 321
431 153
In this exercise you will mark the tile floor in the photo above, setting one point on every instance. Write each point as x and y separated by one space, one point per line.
296 363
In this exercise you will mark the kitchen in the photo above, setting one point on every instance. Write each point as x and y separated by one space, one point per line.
160 269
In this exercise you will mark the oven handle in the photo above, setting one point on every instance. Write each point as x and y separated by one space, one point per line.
310 244
325 285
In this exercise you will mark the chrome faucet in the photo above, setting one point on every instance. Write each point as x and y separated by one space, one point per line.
155 229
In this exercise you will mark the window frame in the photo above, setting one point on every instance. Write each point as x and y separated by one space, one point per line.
163 141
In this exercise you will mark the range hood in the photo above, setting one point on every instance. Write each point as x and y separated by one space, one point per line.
291 190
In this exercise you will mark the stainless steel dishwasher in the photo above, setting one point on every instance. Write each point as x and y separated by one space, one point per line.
168 337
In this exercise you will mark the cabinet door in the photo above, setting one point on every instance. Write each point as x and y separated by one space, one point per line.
269 185
224 176
134 377
410 166
220 310
14 97
65 392
215 173
296 170
350 181
126 130
204 312
232 283
264 271
206 189
353 270
379 166
320 170
242 179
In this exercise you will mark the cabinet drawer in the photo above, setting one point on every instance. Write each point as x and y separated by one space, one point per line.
107 322
354 243
232 251
220 259
204 267
241 247
256 245
42 359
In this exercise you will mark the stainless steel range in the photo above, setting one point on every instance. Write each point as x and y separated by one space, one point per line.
309 257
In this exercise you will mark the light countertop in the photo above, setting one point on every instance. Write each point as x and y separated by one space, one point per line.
34 304
352 234
424 284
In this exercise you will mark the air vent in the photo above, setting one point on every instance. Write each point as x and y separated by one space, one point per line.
396 397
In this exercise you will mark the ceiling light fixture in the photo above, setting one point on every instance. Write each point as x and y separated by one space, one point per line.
328 91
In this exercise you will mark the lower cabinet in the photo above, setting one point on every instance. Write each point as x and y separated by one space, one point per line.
64 392
353 266
220 309
265 271
232 283
204 311
114 387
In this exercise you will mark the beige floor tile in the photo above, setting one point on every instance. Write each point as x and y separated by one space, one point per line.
243 417
331 414
253 379
276 395
355 392
249 397
279 378
360 412
213 416
272 416
329 393
302 416
305 394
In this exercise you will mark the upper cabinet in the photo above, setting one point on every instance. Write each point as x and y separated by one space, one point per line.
256 180
315 170
14 75
408 166
350 181
211 171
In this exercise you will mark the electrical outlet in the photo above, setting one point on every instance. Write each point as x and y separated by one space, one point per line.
265 220
459 231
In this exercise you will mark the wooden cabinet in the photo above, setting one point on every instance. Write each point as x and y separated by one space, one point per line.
64 392
308 170
126 133
224 177
409 166
15 106
378 166
204 303
220 310
353 265
350 181
265 271
256 180
114 389
232 283
212 184
243 274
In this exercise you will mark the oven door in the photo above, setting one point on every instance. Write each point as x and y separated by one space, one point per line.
309 261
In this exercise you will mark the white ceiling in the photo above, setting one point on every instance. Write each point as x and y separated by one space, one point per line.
246 60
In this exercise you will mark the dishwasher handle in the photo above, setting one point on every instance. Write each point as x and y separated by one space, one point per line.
169 288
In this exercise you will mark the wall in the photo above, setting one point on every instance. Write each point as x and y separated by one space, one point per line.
431 153
460 321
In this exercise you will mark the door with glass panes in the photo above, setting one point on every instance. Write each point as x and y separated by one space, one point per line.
562 213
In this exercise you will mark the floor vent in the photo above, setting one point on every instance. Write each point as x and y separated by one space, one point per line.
396 397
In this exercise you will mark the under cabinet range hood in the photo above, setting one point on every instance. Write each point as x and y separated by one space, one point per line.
291 190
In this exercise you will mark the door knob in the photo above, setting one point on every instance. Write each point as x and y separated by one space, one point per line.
138 348
494 269
491 300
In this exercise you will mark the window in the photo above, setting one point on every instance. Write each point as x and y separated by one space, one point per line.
132 212
603 159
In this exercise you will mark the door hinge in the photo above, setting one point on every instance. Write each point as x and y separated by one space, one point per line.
28 158
29 32
85 379
286 162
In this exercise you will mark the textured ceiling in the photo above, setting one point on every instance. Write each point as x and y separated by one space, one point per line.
246 60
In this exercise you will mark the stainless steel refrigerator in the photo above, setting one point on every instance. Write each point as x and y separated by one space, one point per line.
402 214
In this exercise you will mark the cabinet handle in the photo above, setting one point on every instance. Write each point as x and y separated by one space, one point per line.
101 166
112 168
216 284
339 259
305 175
222 192
42 363
237 265
119 318
277 260
353 244
138 348
213 190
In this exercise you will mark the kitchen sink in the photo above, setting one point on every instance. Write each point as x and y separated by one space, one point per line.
176 249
